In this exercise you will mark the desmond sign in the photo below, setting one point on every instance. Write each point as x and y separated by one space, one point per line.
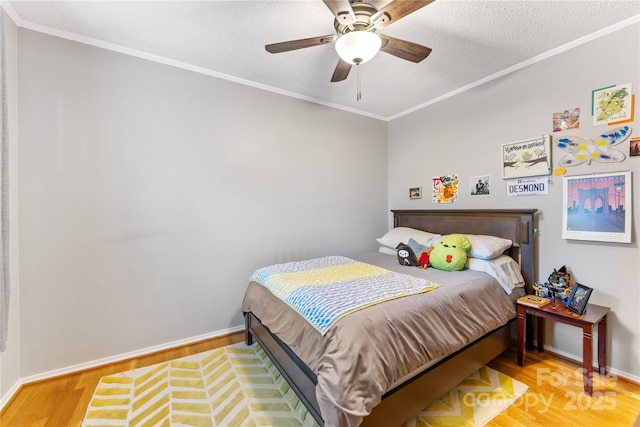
528 187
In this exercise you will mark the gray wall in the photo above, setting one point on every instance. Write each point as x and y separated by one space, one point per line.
149 194
463 135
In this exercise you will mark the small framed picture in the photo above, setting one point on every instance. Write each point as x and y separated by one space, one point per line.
415 193
480 185
578 299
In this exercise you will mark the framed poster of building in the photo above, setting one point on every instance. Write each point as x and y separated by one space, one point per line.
597 207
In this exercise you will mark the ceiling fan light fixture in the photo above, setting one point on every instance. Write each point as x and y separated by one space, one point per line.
358 47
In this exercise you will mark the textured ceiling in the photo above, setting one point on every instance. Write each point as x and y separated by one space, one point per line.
472 41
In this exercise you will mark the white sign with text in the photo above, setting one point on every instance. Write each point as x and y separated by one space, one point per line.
528 187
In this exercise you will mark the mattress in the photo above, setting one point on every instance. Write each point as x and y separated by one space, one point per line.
367 352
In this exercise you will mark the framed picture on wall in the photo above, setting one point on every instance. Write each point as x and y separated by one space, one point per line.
597 207
529 157
445 189
480 185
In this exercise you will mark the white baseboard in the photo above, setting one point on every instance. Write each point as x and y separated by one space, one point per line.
10 393
112 359
578 359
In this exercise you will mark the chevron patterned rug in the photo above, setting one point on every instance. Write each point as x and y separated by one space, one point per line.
238 386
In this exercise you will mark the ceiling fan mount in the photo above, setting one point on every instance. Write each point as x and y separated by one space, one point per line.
358 20
355 16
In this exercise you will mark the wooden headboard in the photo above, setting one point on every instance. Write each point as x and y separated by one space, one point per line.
518 225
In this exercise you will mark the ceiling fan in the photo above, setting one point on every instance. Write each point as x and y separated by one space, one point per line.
356 40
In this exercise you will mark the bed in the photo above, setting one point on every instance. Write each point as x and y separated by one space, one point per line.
465 351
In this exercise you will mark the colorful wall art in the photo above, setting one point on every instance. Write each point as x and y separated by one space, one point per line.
445 189
600 149
529 157
612 105
568 119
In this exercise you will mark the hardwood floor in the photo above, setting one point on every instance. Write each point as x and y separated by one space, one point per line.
555 396
62 401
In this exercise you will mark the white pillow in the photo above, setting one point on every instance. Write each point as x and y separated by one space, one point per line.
486 247
386 250
398 235
502 268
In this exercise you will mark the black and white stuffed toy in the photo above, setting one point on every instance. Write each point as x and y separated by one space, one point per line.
406 256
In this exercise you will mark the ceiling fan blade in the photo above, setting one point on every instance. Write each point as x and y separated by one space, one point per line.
341 72
300 44
403 49
342 10
396 10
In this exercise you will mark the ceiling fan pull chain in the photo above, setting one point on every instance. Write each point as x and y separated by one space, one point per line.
359 91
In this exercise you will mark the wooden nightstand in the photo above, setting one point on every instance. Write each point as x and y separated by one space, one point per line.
593 315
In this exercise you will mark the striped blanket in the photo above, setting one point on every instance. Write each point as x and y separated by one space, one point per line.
324 290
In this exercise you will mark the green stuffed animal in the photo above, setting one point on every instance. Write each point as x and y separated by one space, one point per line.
450 254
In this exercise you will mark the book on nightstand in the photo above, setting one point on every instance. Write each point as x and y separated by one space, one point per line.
533 301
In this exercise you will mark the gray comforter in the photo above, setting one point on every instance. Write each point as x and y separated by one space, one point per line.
365 353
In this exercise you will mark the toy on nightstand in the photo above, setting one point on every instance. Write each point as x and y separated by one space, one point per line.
561 278
559 285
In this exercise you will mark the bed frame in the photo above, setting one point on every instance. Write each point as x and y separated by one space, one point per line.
405 401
